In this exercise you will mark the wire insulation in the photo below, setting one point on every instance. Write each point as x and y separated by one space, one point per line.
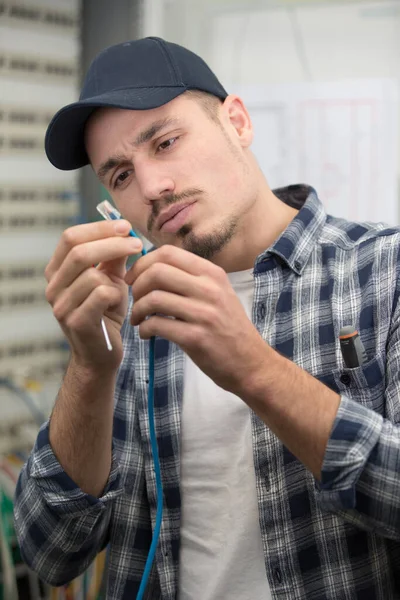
157 469
110 213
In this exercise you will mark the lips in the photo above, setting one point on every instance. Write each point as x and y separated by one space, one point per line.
171 213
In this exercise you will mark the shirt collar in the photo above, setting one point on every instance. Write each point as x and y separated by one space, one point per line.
296 243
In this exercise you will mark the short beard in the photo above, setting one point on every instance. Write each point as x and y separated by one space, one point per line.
207 246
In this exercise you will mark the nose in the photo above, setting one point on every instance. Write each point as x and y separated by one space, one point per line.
154 181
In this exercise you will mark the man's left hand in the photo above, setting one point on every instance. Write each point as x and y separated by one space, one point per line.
208 320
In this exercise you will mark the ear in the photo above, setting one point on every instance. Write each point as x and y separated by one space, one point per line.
237 117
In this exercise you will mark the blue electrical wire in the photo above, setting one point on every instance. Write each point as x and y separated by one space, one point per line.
154 448
156 460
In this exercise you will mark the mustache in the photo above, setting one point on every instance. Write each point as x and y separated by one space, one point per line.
167 200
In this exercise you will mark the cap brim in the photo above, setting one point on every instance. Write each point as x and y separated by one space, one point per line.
64 141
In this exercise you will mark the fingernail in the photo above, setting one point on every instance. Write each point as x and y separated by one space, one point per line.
121 227
135 243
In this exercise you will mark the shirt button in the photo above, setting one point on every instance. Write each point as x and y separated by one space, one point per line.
297 265
278 575
345 379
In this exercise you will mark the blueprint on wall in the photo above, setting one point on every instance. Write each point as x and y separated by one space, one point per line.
341 138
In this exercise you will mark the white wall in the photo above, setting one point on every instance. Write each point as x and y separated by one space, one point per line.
304 44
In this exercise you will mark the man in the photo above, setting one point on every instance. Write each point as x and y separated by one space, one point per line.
279 463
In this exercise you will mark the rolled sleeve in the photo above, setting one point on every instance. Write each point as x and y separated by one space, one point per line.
355 433
360 474
60 528
59 491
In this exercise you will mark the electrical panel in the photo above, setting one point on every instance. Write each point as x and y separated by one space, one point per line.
39 73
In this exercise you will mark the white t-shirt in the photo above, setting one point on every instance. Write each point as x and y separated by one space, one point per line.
221 554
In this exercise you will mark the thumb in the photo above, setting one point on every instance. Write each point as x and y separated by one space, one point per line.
116 268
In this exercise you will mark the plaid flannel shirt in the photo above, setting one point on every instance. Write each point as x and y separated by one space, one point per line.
337 539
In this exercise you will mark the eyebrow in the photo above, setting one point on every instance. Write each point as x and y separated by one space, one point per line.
109 164
142 138
153 129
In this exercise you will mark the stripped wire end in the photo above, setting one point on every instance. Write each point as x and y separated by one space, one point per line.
106 336
108 211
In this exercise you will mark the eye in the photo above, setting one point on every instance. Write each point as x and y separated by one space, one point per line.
167 144
121 178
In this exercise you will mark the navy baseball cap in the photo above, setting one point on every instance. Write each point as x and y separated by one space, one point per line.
138 75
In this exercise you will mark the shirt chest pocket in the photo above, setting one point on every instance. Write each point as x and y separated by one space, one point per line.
364 384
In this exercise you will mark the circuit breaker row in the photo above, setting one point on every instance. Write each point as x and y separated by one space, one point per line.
21 286
22 129
23 65
39 359
60 218
39 71
23 208
17 13
37 195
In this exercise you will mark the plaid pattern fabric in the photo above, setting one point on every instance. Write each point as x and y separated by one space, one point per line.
333 540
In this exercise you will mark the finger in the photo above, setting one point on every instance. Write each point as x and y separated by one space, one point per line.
171 305
78 291
178 332
81 234
115 268
85 255
86 319
161 276
176 257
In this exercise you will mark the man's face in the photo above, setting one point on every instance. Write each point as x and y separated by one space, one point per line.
177 175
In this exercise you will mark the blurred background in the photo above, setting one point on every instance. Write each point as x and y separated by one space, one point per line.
321 81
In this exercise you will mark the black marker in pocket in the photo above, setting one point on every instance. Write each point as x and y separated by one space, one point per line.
352 348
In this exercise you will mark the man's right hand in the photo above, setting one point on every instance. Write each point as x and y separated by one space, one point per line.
81 294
